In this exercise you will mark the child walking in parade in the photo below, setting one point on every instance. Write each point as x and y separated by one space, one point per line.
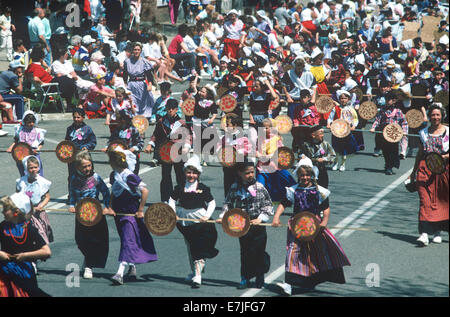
195 202
348 145
170 127
309 263
121 102
38 189
253 198
390 113
80 134
93 241
128 134
129 196
27 132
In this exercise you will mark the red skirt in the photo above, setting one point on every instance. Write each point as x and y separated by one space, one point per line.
231 48
310 26
433 194
10 289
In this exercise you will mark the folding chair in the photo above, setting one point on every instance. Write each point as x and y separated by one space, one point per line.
49 91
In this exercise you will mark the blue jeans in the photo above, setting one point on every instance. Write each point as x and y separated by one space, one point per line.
17 101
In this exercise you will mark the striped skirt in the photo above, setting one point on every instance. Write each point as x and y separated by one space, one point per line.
314 262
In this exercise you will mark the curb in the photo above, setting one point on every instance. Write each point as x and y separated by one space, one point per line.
55 116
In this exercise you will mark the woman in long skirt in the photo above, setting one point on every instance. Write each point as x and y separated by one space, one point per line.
138 74
432 188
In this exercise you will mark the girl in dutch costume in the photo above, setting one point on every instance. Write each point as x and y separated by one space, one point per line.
205 112
128 134
234 137
274 179
129 196
432 188
253 198
195 202
317 261
27 132
38 189
93 241
259 103
20 244
80 134
348 145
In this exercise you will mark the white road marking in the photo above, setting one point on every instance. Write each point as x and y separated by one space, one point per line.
364 218
345 222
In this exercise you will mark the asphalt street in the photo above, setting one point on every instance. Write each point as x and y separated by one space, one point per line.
385 259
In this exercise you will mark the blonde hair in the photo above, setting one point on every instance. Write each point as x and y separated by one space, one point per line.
117 159
81 156
7 204
309 170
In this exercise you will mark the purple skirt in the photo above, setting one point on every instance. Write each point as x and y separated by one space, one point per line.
136 243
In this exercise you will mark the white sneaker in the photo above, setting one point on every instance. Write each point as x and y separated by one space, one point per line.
196 281
286 288
335 167
423 239
117 279
437 239
88 273
3 133
342 168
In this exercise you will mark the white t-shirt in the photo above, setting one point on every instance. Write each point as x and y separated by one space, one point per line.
190 44
233 30
62 68
152 50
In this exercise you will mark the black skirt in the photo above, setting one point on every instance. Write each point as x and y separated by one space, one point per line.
93 242
255 260
202 238
334 276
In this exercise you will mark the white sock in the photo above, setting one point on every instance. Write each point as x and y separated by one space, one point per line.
121 269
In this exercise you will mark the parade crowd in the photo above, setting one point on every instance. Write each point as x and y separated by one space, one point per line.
275 57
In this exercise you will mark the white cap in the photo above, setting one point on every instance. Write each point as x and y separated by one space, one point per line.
349 84
267 69
25 163
286 41
211 88
256 47
225 59
444 39
16 64
342 92
306 161
247 50
316 52
87 39
296 49
194 161
233 11
97 56
390 63
21 201
36 117
129 156
261 13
